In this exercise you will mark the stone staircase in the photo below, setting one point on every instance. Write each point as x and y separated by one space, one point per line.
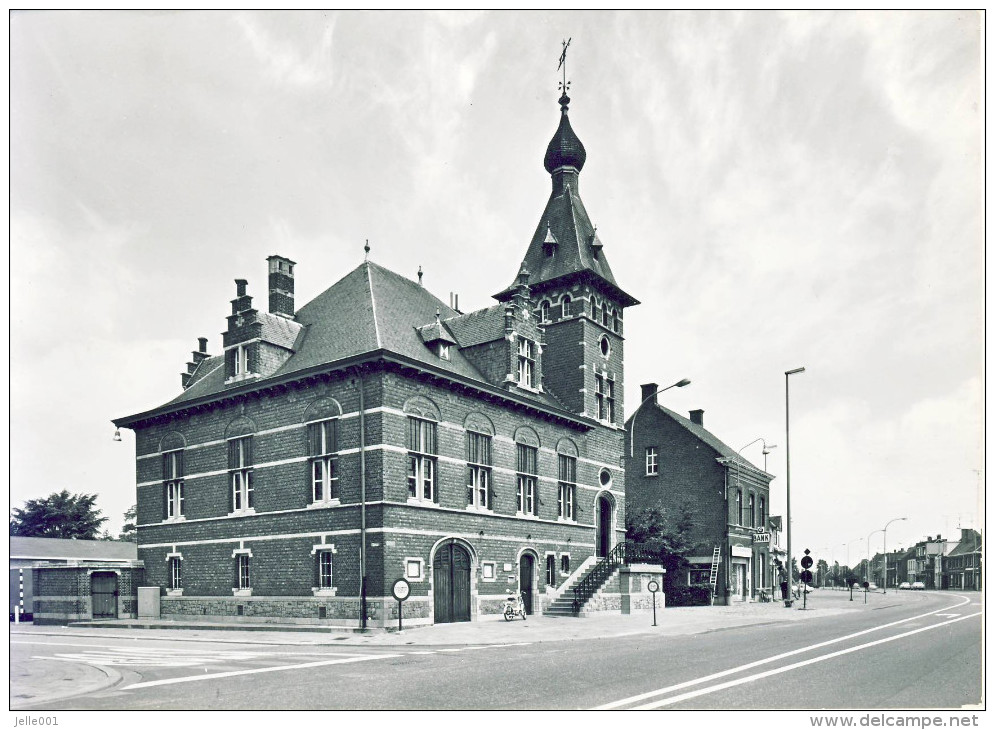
563 604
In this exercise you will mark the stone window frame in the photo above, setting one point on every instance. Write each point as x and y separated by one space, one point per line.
173 485
328 459
477 470
238 554
544 311
240 475
550 570
420 563
319 552
422 455
171 558
564 556
566 304
484 565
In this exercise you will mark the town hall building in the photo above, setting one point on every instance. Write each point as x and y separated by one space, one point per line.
377 433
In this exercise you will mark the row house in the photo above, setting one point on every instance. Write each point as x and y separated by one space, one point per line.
962 565
676 464
378 434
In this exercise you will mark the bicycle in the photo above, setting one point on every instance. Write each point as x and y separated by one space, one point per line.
514 606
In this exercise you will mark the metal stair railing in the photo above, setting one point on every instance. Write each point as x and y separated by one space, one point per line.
621 554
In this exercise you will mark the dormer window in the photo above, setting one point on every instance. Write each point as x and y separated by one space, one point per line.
526 363
544 312
443 351
241 360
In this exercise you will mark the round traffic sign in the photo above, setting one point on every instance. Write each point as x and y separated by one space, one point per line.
806 576
652 586
866 585
807 562
401 589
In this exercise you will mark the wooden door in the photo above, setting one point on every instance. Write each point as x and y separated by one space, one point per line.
451 577
526 582
604 527
103 592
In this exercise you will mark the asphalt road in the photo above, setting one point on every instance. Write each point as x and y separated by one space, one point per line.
910 651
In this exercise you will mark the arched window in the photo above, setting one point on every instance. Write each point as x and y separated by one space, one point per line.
551 570
763 514
751 514
566 305
544 312
739 506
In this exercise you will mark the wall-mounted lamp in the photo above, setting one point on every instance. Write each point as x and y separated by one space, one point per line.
117 434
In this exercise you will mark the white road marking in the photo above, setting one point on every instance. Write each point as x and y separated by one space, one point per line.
796 665
948 615
263 670
761 662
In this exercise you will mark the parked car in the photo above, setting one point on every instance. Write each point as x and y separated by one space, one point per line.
873 587
918 586
904 585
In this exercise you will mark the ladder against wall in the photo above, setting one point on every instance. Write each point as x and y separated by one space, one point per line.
713 577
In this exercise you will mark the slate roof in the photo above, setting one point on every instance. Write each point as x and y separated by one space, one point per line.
706 436
578 249
969 545
278 330
48 548
371 308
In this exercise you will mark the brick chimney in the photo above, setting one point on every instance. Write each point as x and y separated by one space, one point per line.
698 417
242 300
199 355
281 286
646 391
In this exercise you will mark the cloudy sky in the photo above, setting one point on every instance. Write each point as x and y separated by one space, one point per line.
778 189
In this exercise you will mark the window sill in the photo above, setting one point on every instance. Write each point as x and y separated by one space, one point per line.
422 502
170 520
241 592
174 591
567 520
243 512
480 510
654 474
527 515
325 503
324 591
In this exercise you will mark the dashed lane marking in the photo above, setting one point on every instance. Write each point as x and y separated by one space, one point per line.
262 670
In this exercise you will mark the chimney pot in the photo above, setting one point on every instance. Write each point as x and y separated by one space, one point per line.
647 390
240 285
698 417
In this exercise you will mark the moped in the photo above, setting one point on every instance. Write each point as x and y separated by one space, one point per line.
514 606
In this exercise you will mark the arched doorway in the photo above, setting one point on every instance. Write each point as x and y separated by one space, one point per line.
526 579
604 523
451 576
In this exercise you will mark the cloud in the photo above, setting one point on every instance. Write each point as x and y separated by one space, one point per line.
291 62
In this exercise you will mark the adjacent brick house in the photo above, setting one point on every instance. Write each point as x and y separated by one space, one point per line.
676 463
377 433
961 568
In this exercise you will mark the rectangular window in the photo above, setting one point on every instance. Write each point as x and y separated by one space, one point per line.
599 395
527 471
241 360
322 440
240 471
526 362
610 400
699 576
750 513
478 467
172 473
175 574
242 572
421 459
568 486
652 465
324 568
564 563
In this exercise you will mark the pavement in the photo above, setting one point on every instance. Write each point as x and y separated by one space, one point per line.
43 680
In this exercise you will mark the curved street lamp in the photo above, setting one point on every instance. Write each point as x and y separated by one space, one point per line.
885 549
867 568
632 423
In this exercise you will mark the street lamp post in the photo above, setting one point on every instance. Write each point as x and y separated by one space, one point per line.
739 486
632 425
767 448
787 471
885 548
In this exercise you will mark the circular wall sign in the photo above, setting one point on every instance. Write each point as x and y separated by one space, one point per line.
652 586
401 589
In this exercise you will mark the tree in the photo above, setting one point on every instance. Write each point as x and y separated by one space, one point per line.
823 567
129 532
794 570
61 515
666 539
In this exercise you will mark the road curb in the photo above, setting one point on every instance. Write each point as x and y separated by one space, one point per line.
112 678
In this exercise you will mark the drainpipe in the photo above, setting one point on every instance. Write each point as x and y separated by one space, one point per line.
362 502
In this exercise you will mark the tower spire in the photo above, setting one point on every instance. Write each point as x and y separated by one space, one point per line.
564 84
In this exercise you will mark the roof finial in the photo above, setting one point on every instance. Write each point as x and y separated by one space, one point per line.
419 275
438 312
564 84
366 248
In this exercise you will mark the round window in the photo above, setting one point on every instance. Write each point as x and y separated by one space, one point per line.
605 478
606 346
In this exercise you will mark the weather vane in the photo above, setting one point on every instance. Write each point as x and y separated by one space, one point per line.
564 85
